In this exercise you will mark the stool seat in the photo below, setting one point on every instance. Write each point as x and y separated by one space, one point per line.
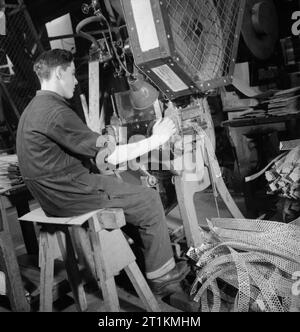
114 218
107 248
38 215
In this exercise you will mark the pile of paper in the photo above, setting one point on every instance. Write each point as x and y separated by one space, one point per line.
9 172
277 103
285 102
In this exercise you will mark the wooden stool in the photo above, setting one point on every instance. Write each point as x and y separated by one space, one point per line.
111 253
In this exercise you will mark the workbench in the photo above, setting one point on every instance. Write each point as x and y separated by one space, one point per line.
23 271
19 197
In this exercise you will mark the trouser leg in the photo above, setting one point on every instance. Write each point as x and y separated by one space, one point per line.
143 209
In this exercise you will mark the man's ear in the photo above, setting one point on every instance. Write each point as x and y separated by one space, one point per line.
58 72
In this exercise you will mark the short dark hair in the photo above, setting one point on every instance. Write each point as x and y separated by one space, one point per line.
51 59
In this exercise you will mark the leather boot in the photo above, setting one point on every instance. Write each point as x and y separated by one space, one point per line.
161 285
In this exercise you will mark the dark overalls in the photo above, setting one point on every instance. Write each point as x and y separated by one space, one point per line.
52 145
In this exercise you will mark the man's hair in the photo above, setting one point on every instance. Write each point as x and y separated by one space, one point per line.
49 60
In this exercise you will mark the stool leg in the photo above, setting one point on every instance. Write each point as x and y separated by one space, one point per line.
46 263
110 295
108 285
142 288
72 269
83 248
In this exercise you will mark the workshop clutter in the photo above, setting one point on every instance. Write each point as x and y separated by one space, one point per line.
291 50
284 178
284 102
270 104
256 260
10 174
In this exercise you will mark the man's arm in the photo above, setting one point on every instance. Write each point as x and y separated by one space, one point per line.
69 131
115 155
161 134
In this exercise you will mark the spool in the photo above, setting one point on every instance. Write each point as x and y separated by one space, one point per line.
260 28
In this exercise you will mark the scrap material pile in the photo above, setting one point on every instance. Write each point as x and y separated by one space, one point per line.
284 102
270 104
257 260
284 178
10 175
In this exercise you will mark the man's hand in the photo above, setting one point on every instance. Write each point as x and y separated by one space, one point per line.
164 129
173 113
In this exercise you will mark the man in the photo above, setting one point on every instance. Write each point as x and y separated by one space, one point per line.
53 145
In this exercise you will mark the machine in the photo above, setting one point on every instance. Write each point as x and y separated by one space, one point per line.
172 54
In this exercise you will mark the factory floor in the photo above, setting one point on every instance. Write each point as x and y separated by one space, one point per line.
206 208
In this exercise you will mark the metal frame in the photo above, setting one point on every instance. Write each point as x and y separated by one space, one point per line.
12 10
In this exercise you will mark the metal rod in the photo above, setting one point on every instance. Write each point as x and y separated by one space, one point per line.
75 35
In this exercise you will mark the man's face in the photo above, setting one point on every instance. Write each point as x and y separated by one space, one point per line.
68 81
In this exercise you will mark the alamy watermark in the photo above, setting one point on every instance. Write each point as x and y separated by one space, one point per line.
296 24
185 155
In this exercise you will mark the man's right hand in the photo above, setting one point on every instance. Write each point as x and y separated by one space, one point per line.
164 129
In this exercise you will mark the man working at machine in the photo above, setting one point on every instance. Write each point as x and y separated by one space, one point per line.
52 145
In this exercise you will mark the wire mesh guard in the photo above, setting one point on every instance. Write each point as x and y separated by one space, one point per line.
17 51
206 35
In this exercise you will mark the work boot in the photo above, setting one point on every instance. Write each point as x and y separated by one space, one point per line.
165 284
